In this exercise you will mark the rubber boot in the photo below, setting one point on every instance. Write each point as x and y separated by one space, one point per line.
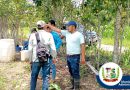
76 84
72 83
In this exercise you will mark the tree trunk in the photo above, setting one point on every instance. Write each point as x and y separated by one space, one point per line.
128 8
117 35
0 27
99 41
121 41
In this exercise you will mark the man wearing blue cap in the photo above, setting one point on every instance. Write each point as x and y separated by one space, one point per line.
75 47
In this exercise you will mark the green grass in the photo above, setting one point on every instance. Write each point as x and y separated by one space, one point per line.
108 35
107 41
110 41
125 69
27 68
2 82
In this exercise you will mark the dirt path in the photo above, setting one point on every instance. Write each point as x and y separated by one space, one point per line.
17 77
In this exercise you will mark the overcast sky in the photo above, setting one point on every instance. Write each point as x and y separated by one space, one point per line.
75 2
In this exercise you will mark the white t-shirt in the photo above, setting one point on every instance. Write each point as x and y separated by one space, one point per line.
73 41
46 38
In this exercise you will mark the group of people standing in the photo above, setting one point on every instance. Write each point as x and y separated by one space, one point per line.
49 35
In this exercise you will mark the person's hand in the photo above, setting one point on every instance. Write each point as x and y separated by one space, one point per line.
54 61
83 61
30 62
48 25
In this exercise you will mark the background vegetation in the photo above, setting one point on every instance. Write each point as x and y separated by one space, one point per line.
109 18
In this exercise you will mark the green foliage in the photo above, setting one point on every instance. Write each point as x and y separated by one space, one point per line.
28 68
38 2
83 71
127 33
98 56
98 12
15 14
125 58
2 82
125 62
109 30
108 41
105 56
91 13
54 87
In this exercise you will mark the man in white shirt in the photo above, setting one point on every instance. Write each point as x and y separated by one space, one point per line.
75 47
47 39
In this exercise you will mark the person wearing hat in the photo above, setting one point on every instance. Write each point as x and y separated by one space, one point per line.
58 43
75 48
47 39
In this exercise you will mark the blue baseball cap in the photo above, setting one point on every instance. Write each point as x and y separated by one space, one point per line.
72 23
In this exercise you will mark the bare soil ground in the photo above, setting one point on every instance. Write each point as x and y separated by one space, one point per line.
16 76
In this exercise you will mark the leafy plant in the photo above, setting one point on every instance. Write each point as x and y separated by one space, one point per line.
125 59
83 71
54 87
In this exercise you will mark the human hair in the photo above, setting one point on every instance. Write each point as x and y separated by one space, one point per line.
33 30
52 22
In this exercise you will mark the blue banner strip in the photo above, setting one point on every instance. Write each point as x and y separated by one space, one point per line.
123 84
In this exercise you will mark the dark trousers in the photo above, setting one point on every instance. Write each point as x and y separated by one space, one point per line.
73 65
45 75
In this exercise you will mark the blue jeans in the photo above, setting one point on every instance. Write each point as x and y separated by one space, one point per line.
45 75
73 65
53 68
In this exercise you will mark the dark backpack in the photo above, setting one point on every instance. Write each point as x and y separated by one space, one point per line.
42 50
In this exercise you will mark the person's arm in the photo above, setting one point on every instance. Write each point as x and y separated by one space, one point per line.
63 32
83 53
82 43
54 28
30 46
